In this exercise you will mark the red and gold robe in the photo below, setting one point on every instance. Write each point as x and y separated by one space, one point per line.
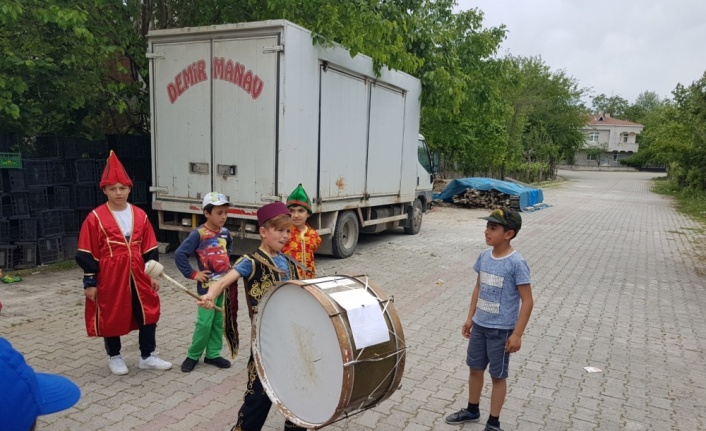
302 248
116 264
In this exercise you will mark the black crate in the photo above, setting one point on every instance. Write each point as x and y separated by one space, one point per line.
48 146
25 256
6 234
81 216
51 222
26 229
15 205
138 169
70 247
5 205
38 172
38 198
138 193
60 197
135 146
50 250
62 172
20 205
18 230
16 179
100 165
7 256
87 171
43 198
77 148
85 196
48 172
72 221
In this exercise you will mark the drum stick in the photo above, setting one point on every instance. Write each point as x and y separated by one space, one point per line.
155 269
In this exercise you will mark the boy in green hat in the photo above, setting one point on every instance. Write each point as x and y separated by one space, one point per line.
303 239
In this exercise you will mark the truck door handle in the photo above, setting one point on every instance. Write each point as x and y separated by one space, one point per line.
198 168
227 170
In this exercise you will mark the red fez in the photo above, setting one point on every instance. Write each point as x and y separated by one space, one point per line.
114 172
270 211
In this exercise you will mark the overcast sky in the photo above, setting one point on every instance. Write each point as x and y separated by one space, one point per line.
618 47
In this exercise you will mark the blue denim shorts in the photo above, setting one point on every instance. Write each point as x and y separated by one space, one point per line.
487 346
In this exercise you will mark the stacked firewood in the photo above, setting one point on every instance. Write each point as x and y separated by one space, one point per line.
490 199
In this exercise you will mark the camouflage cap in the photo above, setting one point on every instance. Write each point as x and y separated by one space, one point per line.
507 217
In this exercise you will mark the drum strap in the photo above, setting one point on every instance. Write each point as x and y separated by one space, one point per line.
268 264
279 271
299 265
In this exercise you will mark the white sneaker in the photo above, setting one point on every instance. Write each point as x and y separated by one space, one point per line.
117 365
154 363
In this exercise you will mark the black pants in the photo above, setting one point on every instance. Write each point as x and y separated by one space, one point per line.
147 337
256 405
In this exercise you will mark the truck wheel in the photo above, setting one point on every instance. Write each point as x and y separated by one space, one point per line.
415 223
182 235
345 237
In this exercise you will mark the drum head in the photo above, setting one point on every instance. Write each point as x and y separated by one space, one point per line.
300 353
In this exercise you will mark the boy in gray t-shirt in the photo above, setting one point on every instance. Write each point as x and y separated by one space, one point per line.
501 305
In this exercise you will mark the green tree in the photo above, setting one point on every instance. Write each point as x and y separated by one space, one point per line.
646 102
547 114
47 65
677 134
74 68
615 106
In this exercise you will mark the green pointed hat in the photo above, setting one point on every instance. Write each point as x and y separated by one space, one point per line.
299 198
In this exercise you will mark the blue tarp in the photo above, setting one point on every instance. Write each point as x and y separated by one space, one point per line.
529 196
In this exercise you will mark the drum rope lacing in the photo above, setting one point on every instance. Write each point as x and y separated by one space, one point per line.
380 358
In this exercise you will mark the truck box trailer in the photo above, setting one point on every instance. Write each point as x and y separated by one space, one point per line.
253 109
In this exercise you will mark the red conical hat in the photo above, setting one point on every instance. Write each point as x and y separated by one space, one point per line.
114 172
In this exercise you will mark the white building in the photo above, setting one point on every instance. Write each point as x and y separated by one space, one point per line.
616 137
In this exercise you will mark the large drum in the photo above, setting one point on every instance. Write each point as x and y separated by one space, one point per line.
327 347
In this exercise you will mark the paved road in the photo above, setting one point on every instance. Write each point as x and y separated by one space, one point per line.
618 285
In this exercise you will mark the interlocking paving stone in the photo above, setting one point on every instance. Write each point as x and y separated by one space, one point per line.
618 284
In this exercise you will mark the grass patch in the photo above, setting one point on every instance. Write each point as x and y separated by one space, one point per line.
689 202
551 184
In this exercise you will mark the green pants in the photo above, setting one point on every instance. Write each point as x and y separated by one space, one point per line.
208 333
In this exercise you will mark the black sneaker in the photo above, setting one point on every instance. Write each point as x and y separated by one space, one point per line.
489 427
219 362
188 365
462 416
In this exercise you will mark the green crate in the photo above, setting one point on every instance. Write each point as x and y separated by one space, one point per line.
10 160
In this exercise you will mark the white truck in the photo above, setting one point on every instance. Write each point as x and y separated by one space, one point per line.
254 109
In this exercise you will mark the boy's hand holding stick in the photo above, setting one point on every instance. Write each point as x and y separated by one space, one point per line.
155 269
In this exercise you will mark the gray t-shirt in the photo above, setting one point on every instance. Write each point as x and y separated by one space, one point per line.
498 301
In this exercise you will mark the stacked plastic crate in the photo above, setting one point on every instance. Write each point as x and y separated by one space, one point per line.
44 201
134 152
17 227
49 183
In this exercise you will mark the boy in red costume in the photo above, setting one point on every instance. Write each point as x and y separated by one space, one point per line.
303 240
115 241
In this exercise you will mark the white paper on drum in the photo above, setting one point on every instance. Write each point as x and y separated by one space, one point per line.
365 316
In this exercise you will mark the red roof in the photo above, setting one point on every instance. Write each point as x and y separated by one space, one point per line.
597 120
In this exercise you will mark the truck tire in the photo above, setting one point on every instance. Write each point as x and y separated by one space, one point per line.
182 235
345 237
415 222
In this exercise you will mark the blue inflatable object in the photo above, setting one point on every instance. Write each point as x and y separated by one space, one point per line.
529 196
